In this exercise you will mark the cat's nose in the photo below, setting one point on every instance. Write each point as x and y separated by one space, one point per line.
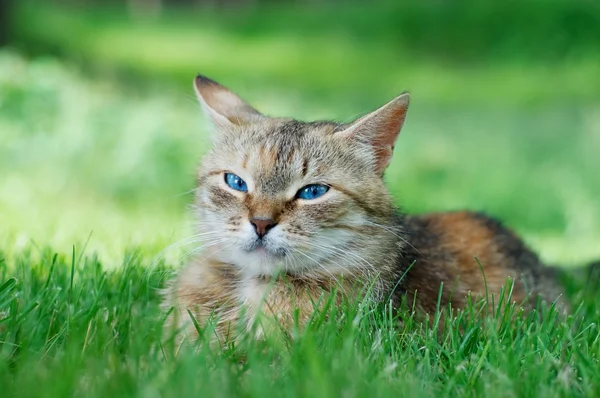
262 225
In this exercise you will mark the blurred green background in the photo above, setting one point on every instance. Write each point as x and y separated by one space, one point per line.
100 131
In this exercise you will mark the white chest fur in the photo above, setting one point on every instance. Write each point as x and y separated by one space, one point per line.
252 292
251 295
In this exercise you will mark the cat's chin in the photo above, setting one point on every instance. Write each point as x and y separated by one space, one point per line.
265 249
263 254
262 251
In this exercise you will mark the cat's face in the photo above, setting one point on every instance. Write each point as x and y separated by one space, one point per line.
281 194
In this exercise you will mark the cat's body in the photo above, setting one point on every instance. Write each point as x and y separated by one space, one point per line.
290 211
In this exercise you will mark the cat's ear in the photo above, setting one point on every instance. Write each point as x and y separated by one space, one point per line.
222 106
380 129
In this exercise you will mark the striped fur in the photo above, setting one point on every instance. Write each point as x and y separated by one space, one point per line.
350 238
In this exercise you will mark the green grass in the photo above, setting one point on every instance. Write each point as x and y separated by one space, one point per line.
98 153
70 328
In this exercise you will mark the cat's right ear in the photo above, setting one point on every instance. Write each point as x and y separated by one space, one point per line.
380 129
222 106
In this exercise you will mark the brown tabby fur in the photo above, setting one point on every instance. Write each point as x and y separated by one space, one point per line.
350 238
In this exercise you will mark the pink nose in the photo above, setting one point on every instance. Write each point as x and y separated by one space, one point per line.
262 225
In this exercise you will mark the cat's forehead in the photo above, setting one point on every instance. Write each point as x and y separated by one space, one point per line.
280 136
280 152
287 132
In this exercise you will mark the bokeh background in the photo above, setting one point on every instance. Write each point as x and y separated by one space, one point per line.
100 131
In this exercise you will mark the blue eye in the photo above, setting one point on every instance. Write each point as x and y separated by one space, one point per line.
235 182
312 191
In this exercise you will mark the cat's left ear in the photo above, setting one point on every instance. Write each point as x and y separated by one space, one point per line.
224 108
380 129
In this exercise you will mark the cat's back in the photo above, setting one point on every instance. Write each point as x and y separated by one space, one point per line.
470 253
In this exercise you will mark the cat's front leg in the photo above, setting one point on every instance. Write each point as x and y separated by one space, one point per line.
283 305
205 290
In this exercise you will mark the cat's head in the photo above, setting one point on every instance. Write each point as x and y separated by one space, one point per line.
277 193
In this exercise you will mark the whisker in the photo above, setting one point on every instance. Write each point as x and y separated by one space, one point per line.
184 193
316 262
393 232
340 255
351 253
184 242
192 239
204 247
336 253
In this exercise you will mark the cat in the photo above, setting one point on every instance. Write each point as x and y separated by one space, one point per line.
292 210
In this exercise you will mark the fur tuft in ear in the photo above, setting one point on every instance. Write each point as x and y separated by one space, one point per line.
224 107
380 129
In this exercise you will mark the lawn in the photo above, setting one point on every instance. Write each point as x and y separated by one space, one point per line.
96 172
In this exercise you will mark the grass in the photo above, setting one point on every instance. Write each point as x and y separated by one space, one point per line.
96 170
71 328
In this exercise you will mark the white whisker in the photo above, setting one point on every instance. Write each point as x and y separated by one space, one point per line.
394 232
316 262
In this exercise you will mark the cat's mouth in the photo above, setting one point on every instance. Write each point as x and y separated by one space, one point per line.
260 246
